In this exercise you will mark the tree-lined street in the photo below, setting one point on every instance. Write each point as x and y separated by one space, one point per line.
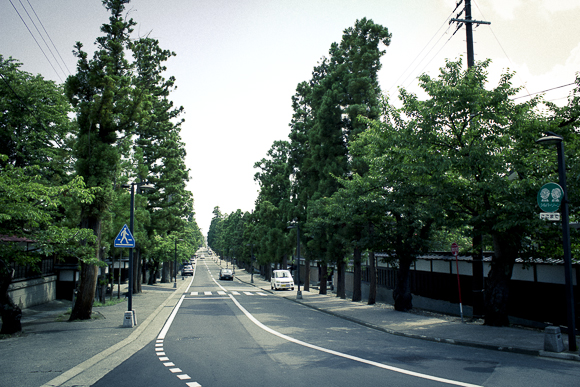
265 337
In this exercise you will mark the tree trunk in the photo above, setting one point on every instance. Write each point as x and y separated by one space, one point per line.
372 278
165 273
153 273
357 281
402 292
11 313
506 247
83 307
323 276
307 274
341 280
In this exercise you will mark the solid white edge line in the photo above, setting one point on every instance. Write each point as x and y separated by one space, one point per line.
170 319
346 356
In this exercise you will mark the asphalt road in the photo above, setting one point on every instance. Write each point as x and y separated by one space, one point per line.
227 333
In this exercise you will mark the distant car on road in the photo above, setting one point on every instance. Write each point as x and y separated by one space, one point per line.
187 270
281 279
226 274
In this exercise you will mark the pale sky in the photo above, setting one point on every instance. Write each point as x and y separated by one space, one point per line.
239 61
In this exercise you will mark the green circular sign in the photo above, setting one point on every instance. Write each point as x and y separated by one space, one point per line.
550 197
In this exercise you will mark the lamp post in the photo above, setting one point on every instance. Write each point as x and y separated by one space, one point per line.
297 226
145 186
175 263
554 139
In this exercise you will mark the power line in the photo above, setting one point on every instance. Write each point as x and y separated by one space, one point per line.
40 34
500 45
33 37
420 52
49 38
544 91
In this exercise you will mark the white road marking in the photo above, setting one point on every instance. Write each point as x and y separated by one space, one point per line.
207 293
248 293
170 320
169 364
164 358
159 349
184 376
175 370
222 293
235 293
194 293
160 353
262 294
193 384
346 356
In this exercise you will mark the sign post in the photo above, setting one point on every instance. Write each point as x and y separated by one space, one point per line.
125 239
455 252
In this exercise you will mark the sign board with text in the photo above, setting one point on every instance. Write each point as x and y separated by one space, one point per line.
550 196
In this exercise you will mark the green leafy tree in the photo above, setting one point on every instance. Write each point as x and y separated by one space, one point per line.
273 206
34 125
106 105
30 210
473 138
343 87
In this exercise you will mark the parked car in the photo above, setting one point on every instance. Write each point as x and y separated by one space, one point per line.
187 270
226 274
281 279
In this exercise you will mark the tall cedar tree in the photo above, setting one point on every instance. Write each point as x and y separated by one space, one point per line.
325 120
107 106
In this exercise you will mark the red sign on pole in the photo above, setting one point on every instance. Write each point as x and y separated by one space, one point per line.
454 248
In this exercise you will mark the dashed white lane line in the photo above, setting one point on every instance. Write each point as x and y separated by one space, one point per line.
159 342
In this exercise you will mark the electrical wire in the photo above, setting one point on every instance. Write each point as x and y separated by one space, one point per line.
40 34
420 52
500 46
544 91
49 38
38 44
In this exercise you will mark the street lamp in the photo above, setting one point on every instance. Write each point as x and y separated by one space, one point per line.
297 226
175 263
554 139
140 186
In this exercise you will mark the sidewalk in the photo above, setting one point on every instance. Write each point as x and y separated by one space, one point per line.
54 352
436 328
60 353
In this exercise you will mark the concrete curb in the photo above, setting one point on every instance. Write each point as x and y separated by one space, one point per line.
102 363
464 343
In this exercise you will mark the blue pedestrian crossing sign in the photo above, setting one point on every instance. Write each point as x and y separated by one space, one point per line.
125 238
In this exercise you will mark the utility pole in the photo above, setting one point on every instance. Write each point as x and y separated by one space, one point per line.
477 261
469 22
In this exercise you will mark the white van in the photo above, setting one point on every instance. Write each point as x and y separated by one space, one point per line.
281 279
